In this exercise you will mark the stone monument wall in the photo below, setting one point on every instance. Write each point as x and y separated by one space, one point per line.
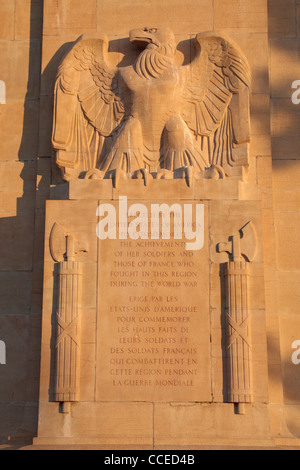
126 380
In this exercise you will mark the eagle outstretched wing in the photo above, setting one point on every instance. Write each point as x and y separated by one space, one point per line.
87 107
216 100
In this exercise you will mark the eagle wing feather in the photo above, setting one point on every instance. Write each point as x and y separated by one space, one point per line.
87 106
218 72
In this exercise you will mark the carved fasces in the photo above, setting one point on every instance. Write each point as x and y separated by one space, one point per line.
152 115
241 245
67 342
241 248
63 248
238 333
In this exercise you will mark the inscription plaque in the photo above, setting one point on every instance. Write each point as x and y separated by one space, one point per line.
153 320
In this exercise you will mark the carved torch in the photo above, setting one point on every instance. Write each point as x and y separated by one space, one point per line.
241 247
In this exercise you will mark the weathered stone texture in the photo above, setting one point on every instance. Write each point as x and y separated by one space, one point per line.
34 37
20 51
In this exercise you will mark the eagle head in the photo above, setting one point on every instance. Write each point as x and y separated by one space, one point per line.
161 38
158 53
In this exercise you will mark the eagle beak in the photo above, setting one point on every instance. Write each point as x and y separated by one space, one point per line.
140 37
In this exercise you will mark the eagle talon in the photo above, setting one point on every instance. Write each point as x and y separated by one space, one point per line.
214 172
189 175
94 174
144 174
117 175
187 172
164 174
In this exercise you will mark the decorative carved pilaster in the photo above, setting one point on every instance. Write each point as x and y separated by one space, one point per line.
63 249
241 249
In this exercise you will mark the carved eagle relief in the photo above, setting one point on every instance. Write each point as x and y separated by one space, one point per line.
152 116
